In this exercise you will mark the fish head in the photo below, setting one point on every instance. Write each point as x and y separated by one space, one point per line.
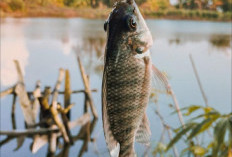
127 30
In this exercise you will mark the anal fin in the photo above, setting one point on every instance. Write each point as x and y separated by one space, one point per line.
143 133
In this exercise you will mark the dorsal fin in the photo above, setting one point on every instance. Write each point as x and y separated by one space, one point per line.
143 133
112 144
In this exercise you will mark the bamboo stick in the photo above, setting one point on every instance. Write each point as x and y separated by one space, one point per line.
87 89
67 92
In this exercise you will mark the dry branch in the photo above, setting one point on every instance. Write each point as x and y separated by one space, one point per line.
13 112
67 92
24 100
7 92
52 141
87 88
53 109
198 80
35 103
40 141
28 132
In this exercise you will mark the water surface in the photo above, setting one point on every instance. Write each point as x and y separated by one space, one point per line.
43 45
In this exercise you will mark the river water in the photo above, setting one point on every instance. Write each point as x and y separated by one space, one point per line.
43 45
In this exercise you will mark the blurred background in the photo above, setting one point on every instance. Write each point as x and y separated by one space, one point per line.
45 35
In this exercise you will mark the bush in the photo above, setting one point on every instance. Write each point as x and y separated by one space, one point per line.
227 16
174 13
16 5
158 13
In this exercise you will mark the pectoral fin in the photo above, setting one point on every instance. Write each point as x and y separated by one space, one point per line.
159 79
143 133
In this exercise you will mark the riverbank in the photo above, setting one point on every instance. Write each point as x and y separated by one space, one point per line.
103 12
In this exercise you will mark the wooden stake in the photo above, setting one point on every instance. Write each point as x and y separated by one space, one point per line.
67 92
24 100
87 89
53 108
13 112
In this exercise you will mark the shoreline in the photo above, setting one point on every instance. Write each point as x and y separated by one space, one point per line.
102 13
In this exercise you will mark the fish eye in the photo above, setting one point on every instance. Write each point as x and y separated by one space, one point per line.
131 23
105 26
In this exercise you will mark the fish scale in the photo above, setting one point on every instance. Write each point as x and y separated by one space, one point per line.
126 80
124 108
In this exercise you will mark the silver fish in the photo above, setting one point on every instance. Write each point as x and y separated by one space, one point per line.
126 80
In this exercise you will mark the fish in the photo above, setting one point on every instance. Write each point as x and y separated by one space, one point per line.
127 79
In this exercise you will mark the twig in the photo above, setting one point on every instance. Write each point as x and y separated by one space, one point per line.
174 148
13 112
180 116
53 108
7 92
39 141
4 93
166 127
25 102
87 89
28 132
67 92
199 81
35 103
52 141
19 72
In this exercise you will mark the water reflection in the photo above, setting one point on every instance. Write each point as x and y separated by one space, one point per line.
12 49
44 45
92 50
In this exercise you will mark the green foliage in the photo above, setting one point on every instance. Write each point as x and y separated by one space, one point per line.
227 5
210 119
160 149
156 5
16 5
